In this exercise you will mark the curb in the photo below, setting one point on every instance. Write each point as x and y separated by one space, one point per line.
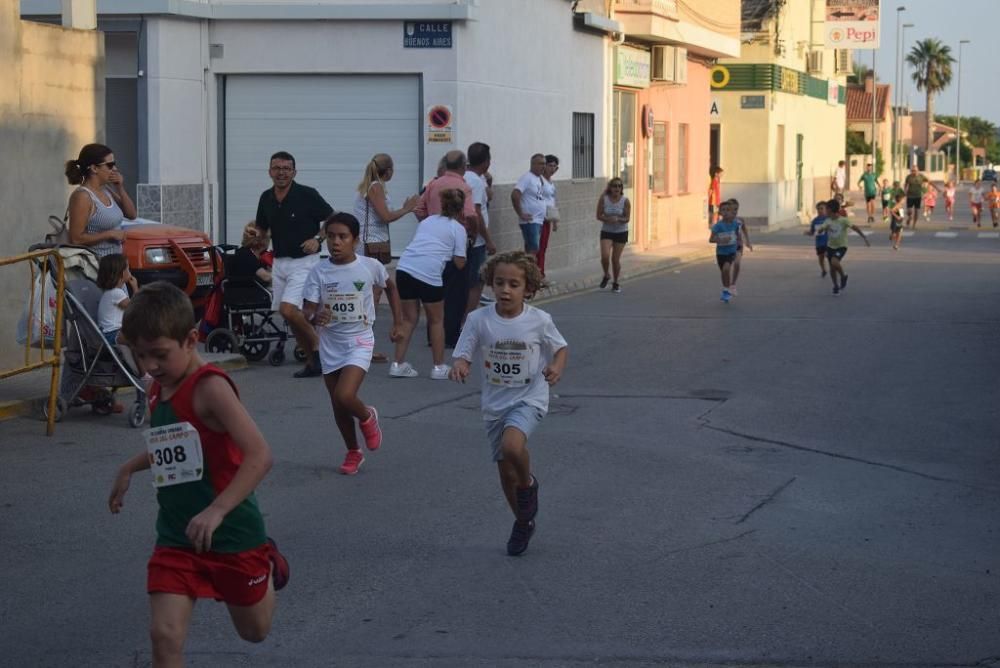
35 406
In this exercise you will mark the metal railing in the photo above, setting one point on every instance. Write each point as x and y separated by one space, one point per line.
43 261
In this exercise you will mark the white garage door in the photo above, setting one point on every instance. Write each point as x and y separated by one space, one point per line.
333 125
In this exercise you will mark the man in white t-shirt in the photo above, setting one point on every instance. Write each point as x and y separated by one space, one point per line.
529 203
479 163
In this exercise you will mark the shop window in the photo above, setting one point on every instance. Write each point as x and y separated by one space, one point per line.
683 165
660 166
779 148
583 146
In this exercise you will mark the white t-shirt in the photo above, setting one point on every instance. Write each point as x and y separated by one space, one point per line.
533 200
347 290
549 192
109 314
840 177
478 185
976 194
512 354
437 240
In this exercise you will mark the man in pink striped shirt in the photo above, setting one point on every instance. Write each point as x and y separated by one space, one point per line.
452 179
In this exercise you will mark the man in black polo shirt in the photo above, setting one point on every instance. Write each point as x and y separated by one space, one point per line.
293 213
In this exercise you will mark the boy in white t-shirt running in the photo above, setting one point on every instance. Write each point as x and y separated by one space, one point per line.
338 299
522 354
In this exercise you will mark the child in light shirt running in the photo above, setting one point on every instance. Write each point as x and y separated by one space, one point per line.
976 197
521 354
836 245
930 202
338 299
949 200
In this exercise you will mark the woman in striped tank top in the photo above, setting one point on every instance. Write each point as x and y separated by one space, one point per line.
98 206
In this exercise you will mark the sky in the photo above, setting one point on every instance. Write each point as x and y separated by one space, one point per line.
948 21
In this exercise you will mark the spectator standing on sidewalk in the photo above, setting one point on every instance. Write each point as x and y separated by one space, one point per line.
293 214
479 164
839 181
456 284
528 199
551 221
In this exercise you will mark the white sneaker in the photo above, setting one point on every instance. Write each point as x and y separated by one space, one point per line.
440 372
732 290
402 370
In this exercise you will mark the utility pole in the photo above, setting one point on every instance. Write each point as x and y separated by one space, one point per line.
896 96
874 118
958 116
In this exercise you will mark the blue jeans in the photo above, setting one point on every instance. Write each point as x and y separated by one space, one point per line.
532 234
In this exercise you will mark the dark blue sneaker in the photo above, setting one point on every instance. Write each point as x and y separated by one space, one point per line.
527 501
520 535
843 281
836 291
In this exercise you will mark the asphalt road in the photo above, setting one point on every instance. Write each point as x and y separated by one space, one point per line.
792 479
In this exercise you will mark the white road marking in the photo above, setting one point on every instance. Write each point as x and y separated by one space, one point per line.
989 235
908 233
946 235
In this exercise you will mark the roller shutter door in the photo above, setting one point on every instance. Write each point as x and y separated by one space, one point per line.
333 125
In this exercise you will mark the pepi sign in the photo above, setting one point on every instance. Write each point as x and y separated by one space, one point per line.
852 24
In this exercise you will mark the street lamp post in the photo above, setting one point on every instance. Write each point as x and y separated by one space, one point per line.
896 96
902 78
958 116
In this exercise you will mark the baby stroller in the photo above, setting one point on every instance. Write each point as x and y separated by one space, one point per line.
92 368
246 323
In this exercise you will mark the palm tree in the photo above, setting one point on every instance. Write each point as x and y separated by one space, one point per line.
859 73
931 62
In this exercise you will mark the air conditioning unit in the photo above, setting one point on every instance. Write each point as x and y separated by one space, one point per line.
663 63
814 62
843 61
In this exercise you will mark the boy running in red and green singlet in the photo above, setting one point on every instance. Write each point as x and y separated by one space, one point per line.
206 456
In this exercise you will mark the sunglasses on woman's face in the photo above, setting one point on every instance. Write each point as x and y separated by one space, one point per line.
110 164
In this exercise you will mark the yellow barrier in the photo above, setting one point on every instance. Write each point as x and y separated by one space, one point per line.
34 259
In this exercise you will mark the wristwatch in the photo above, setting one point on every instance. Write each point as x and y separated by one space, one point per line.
320 239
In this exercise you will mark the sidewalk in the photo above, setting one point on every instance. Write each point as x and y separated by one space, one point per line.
26 394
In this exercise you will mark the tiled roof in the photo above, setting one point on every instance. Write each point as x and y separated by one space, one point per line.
755 12
859 103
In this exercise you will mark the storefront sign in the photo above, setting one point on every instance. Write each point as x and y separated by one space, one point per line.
427 35
852 24
631 67
751 102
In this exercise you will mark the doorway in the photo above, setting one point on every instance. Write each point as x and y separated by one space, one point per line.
799 139
623 150
714 145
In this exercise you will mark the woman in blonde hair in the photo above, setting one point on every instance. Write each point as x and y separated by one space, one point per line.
373 209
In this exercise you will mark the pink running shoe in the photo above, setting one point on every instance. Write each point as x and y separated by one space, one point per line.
352 462
371 430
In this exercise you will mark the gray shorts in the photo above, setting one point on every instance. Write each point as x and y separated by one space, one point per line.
520 416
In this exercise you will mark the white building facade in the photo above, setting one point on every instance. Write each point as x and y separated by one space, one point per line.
207 91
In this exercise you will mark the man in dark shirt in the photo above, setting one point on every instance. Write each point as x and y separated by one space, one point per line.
293 214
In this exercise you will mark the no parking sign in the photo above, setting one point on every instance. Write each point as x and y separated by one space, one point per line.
439 124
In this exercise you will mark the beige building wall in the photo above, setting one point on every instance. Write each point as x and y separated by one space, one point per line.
51 104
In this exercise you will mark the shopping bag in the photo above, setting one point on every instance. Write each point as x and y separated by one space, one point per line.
42 327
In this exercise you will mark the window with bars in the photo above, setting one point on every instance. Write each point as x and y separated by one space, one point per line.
583 146
682 157
660 166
